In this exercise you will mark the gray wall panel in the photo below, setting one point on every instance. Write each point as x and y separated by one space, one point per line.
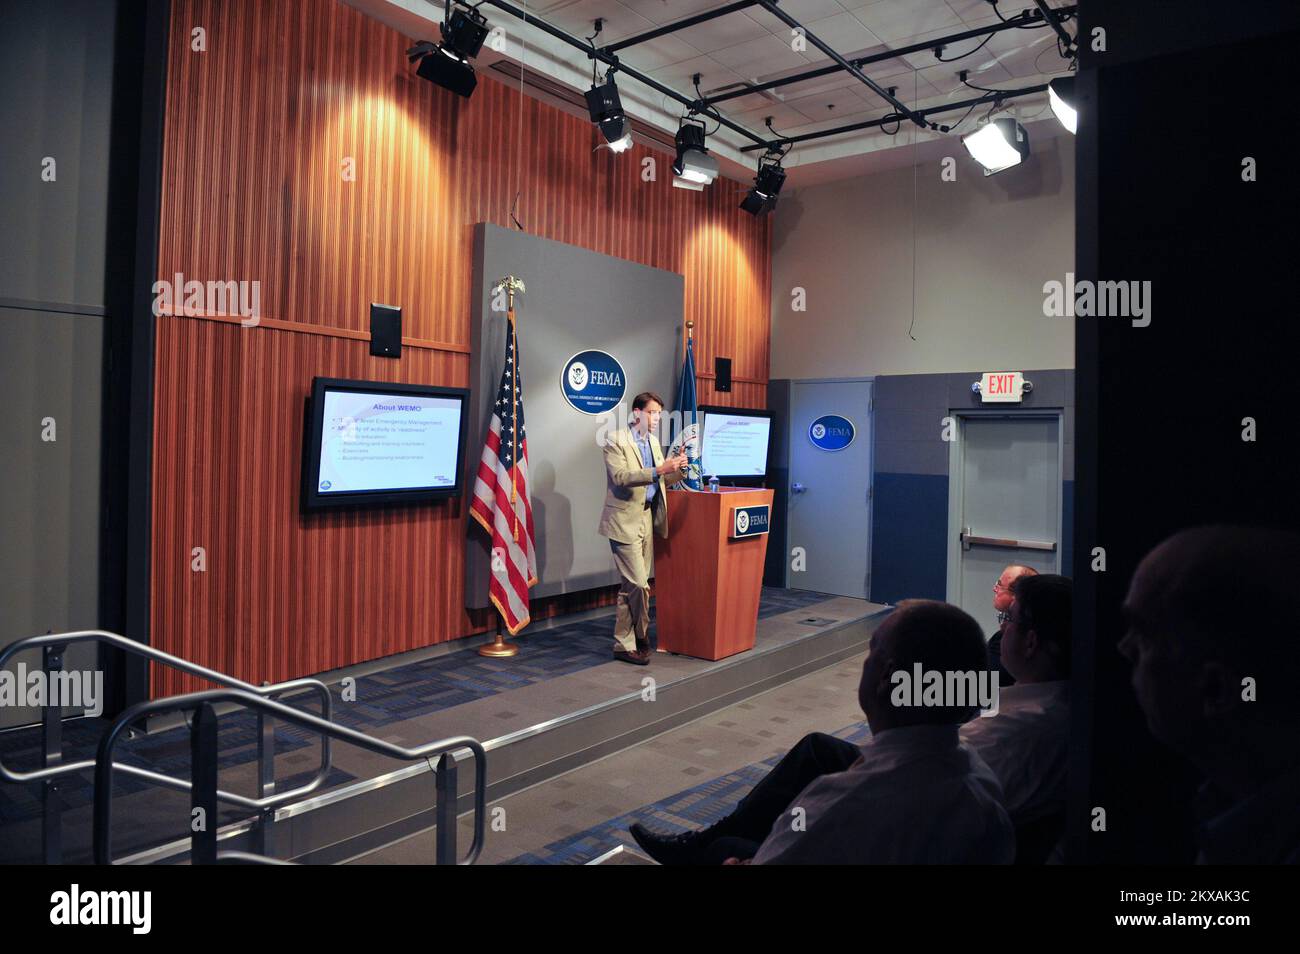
56 73
50 367
56 68
575 300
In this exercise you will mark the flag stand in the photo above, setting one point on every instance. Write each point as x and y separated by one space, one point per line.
499 648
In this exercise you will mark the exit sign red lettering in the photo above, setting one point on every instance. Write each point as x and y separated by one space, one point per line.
1002 386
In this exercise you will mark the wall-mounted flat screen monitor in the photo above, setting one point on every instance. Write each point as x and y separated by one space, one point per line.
375 442
734 442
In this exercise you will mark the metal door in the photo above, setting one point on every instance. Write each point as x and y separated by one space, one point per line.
828 513
1004 504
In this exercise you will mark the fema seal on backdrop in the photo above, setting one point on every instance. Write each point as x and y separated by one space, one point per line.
593 382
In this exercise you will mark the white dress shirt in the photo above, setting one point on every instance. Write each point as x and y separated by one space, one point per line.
1026 746
918 796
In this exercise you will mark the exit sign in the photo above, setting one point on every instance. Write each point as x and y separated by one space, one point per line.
1002 387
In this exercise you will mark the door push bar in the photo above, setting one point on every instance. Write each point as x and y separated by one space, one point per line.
967 538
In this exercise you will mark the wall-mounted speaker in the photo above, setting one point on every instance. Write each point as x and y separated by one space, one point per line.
722 374
385 331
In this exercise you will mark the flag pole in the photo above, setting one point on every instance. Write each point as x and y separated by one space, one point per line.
499 648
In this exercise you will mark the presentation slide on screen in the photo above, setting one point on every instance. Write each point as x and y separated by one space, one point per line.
734 445
387 442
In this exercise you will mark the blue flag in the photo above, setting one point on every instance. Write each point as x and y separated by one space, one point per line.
687 436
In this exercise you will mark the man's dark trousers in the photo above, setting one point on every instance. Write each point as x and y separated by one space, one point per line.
813 756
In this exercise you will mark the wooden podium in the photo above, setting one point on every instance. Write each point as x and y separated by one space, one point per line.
707 579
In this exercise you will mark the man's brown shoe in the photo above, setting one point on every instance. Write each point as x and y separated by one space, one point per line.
636 659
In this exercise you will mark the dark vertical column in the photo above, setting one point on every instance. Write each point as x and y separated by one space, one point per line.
1165 126
203 778
778 479
135 176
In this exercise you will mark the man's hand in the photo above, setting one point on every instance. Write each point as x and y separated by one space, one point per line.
736 861
670 465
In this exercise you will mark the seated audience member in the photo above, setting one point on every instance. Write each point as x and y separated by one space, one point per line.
913 794
1214 636
1002 608
1025 743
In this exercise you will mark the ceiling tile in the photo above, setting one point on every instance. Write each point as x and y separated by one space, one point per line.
803 11
1022 52
912 88
820 84
713 75
894 21
759 57
821 106
723 32
579 19
923 58
973 10
669 11
824 124
659 52
783 117
546 6
842 33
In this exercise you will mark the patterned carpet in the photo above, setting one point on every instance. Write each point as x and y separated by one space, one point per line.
688 810
409 691
383 698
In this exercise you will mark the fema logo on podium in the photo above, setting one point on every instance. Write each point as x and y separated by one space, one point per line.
831 432
593 382
750 521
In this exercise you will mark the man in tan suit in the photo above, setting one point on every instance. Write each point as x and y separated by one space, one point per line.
636 475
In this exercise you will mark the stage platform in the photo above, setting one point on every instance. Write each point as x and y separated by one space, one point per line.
560 703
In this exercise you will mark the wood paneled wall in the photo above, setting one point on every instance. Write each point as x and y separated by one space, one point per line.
261 129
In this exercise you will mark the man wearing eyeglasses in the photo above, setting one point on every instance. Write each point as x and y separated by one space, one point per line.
1002 600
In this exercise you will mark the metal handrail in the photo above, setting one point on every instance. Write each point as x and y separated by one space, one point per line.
204 841
53 644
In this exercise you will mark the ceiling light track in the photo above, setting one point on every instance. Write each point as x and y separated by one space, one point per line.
667 28
771 7
611 60
1061 13
610 112
996 97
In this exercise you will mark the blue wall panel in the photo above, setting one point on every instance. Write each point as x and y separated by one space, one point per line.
908 551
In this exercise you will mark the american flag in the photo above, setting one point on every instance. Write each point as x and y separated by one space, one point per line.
501 501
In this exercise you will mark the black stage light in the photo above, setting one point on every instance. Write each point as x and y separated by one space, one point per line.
761 199
606 111
694 166
448 64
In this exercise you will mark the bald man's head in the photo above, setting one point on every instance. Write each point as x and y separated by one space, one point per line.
1212 612
1002 597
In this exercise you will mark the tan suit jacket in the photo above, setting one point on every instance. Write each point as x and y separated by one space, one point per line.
626 479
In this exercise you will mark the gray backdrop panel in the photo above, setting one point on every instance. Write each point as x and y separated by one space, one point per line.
575 300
